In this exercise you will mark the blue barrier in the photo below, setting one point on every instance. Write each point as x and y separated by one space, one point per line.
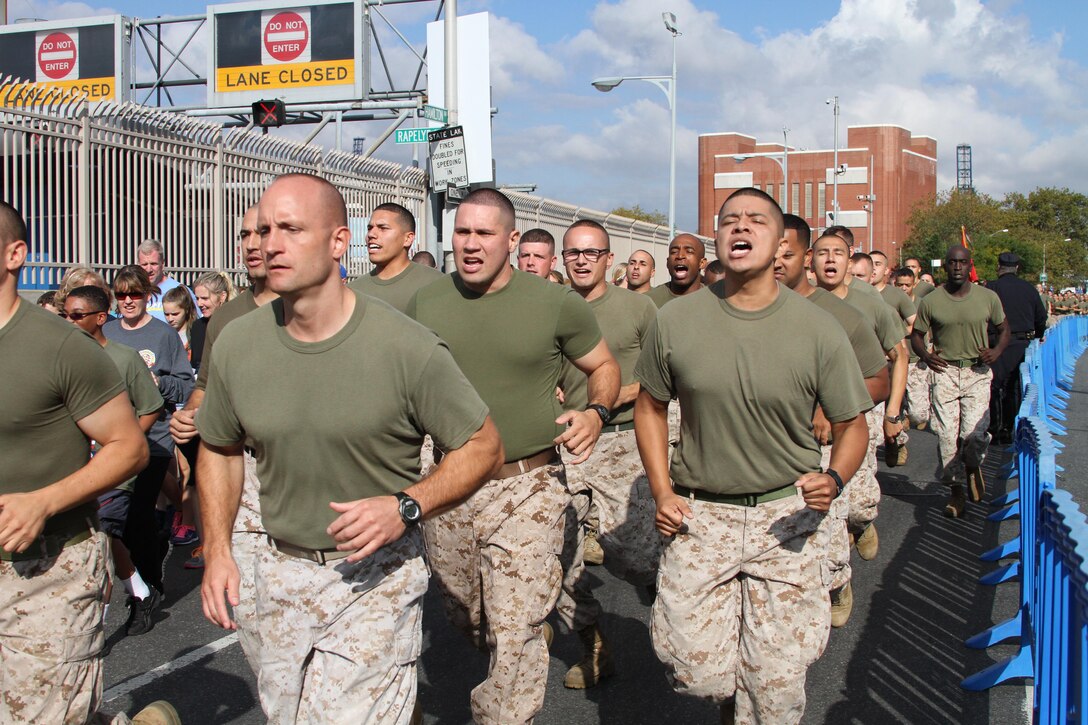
1051 550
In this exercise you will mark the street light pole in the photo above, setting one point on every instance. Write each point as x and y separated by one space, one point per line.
667 84
835 171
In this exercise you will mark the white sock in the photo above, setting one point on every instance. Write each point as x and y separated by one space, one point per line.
136 586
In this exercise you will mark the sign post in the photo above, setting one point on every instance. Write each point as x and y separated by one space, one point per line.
449 162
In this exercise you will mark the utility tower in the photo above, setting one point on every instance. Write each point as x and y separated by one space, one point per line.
964 179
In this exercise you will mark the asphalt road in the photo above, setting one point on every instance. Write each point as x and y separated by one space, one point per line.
900 658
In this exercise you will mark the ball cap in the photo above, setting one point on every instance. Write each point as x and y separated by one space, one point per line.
1008 259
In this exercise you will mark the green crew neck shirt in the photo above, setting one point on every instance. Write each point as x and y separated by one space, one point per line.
921 289
958 324
663 294
336 420
897 299
397 291
240 305
886 324
511 345
625 318
863 339
748 384
56 375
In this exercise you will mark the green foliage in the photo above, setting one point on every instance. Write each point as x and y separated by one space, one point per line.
1030 226
640 214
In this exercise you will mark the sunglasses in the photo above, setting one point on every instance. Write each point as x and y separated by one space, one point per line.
78 316
128 295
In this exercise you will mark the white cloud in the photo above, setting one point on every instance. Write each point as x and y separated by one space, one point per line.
51 10
517 59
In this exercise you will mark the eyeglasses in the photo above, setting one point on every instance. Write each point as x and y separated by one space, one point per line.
128 295
591 255
78 316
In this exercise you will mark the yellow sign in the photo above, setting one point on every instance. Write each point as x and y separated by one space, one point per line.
96 89
287 75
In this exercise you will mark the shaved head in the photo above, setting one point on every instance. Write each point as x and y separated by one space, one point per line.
326 197
497 200
12 226
693 240
776 210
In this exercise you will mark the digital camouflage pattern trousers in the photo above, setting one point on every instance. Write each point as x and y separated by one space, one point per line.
961 418
496 560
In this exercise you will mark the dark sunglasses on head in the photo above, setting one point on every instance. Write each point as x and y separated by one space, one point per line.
77 316
128 295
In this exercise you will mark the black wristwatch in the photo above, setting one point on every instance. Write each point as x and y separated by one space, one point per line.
605 413
837 479
410 512
896 418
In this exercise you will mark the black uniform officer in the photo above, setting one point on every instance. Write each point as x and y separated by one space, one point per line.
1027 320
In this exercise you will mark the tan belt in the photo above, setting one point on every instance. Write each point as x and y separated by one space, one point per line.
516 468
318 556
46 547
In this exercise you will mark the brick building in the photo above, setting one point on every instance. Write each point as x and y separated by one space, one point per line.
885 161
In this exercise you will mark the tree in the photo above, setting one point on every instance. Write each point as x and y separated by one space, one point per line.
638 213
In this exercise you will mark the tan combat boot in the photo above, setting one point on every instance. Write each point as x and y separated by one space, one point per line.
592 553
903 453
976 485
160 712
595 665
842 603
868 543
956 502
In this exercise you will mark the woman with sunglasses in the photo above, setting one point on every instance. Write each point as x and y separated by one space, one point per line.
160 347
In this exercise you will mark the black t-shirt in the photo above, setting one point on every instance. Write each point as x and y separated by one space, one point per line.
197 333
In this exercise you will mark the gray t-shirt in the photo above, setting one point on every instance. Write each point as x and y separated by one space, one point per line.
160 347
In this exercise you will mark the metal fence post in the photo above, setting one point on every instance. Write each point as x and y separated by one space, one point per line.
83 189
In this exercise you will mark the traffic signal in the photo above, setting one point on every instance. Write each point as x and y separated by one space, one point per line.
269 113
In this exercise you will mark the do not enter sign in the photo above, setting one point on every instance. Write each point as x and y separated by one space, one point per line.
57 56
287 37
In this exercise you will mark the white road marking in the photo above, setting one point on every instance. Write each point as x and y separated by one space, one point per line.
122 689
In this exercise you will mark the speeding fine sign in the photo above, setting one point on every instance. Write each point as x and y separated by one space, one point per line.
58 56
287 37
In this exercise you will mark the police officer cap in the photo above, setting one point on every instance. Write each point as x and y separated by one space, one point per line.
1008 259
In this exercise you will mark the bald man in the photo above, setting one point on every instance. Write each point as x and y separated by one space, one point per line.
687 258
640 271
340 578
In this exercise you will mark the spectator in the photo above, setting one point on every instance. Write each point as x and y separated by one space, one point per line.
77 277
619 275
180 313
151 257
426 259
46 299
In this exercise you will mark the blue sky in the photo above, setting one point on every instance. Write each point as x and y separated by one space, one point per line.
1007 77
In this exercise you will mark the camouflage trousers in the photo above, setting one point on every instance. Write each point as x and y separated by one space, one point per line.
339 642
837 531
961 417
863 491
51 636
613 482
742 607
917 403
673 417
496 560
248 538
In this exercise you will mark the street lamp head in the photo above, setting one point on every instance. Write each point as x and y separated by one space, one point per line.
740 159
604 85
670 23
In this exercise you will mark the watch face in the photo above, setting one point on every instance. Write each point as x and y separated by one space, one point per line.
409 510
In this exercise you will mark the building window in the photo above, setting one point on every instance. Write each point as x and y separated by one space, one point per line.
782 195
808 200
821 205
795 202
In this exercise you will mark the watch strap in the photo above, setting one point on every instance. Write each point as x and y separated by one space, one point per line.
837 479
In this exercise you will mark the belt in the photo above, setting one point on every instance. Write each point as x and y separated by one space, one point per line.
618 428
516 468
736 499
318 556
1024 335
964 363
47 546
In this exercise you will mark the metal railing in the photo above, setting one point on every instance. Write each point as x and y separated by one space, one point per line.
1051 622
93 180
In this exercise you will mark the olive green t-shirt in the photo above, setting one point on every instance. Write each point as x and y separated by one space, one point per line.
887 325
511 345
663 294
336 420
55 375
856 284
958 324
748 384
398 291
240 305
625 318
897 299
921 289
859 331
143 393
